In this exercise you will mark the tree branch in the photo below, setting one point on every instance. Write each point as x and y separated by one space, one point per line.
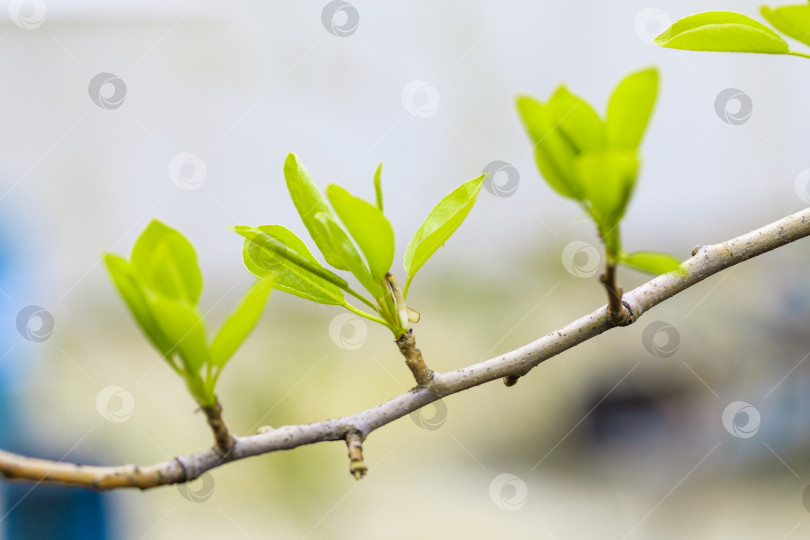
706 261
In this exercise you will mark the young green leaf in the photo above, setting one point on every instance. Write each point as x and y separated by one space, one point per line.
369 228
167 262
183 327
608 176
722 31
289 277
240 323
378 187
343 246
577 119
630 107
126 281
310 202
793 21
651 262
553 151
279 250
440 224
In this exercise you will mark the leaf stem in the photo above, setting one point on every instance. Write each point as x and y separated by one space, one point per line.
364 314
797 53
360 297
407 286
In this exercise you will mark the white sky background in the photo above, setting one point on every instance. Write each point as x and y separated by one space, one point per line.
243 83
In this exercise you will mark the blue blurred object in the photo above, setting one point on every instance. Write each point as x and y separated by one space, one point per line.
34 511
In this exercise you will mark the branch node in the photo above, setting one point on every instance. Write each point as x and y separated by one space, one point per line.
413 359
354 442
696 250
511 380
222 437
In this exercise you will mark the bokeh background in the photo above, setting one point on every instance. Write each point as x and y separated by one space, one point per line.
623 437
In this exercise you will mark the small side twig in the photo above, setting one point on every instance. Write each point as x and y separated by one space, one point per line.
618 314
413 358
354 441
223 438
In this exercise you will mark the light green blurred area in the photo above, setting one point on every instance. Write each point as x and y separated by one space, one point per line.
606 441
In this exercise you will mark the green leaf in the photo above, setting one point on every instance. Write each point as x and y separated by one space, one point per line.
183 327
240 322
722 31
126 281
369 228
793 21
289 277
378 187
577 119
310 202
440 224
554 153
652 262
279 250
630 107
167 263
608 176
343 246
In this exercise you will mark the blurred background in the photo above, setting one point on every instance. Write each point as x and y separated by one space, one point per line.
691 423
